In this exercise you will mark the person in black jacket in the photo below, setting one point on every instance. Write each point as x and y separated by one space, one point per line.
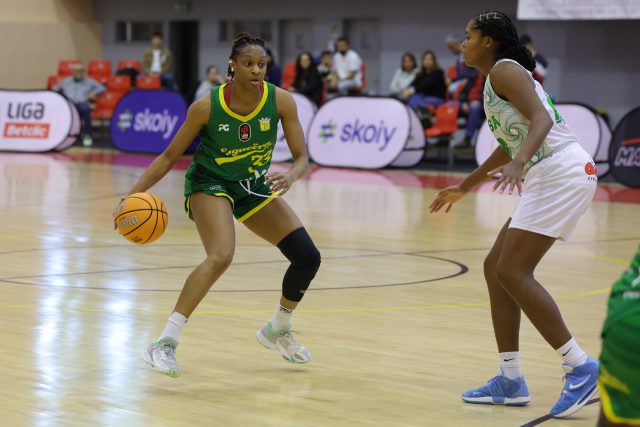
428 88
307 81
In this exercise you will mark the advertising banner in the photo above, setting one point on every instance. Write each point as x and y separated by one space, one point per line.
145 121
359 132
592 132
36 121
413 151
624 152
306 111
583 9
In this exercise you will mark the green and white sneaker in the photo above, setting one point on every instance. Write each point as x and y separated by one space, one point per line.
283 341
161 356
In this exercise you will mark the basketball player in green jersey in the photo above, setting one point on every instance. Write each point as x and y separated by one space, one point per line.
619 381
560 180
228 177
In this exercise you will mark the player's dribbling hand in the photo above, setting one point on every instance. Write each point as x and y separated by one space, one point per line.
511 175
445 197
279 182
118 209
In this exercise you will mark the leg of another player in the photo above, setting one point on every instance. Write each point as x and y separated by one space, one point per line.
280 226
214 221
521 252
509 386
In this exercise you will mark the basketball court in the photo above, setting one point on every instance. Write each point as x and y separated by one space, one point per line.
397 318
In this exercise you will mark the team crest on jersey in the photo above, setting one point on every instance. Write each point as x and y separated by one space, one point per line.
244 132
265 124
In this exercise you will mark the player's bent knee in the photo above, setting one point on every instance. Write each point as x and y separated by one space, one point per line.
219 259
305 261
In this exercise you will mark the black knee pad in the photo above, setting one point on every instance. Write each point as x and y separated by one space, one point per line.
305 259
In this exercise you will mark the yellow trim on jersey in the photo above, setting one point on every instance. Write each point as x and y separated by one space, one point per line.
251 115
222 160
607 408
257 208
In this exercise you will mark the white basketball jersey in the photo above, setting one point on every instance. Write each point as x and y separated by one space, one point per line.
510 127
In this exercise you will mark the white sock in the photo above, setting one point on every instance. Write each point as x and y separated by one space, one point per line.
174 326
510 364
282 317
572 354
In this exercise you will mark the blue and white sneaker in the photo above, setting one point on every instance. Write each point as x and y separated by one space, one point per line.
580 384
500 390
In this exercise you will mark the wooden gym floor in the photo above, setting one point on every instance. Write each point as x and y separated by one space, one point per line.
397 319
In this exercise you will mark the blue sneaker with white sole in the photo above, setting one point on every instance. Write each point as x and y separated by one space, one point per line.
500 390
580 384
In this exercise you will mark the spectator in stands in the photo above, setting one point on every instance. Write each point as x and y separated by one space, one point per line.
158 60
462 74
428 88
540 72
307 81
404 75
80 90
212 79
346 74
326 64
470 101
274 73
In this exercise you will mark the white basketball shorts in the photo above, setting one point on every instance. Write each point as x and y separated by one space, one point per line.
557 191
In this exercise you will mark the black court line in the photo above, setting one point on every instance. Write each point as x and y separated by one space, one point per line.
548 417
462 269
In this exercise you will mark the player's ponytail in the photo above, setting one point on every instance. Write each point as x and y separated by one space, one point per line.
499 27
240 41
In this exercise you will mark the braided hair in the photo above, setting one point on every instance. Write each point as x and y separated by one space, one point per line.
242 40
499 27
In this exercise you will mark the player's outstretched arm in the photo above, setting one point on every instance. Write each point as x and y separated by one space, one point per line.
197 117
288 112
448 196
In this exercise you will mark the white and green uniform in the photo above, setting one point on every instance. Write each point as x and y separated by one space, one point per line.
560 177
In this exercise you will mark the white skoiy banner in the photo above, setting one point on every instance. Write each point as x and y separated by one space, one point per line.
593 135
413 152
359 132
306 111
36 121
578 9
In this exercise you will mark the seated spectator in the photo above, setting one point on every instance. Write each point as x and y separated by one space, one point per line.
274 73
470 100
428 87
346 73
326 64
159 61
540 72
80 90
463 73
307 81
404 75
212 79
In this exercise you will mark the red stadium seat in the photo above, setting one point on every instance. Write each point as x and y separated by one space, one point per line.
105 104
103 80
148 82
288 75
446 121
52 81
129 63
99 67
119 83
64 66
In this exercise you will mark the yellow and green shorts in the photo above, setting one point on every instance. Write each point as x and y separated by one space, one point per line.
246 197
619 380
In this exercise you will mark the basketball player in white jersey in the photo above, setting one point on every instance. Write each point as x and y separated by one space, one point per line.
560 182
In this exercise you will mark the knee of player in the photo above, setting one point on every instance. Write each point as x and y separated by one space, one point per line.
221 258
508 275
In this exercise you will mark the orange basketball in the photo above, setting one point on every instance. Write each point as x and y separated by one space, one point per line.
142 218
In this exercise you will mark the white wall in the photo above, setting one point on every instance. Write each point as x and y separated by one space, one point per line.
588 59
